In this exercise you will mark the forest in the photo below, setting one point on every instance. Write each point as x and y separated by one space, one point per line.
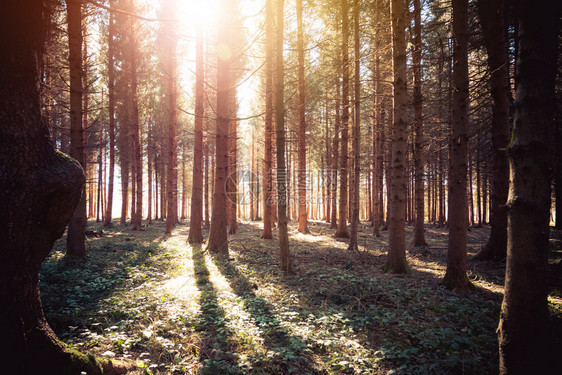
280 187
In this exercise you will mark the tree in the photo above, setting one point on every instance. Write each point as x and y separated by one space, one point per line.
75 245
396 261
111 114
356 131
523 329
492 15
342 231
268 148
196 216
286 265
455 275
40 191
218 241
172 140
136 215
419 235
303 222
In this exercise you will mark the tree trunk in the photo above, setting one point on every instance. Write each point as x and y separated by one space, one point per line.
356 132
218 242
377 170
172 137
136 218
40 191
335 159
455 276
523 332
267 167
196 214
342 231
150 168
419 160
284 253
206 195
491 14
75 245
396 261
232 181
301 134
111 114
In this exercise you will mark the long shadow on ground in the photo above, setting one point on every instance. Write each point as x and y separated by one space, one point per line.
289 351
216 352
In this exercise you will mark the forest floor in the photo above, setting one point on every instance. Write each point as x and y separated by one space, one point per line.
153 300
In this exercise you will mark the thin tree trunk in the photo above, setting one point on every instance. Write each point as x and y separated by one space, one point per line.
218 242
342 231
111 114
149 162
492 19
356 132
303 222
136 218
419 160
455 275
267 167
75 245
335 159
172 138
232 181
396 260
196 214
284 253
206 195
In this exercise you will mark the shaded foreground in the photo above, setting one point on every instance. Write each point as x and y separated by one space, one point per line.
169 308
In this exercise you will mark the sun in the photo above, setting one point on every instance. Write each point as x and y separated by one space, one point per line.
198 12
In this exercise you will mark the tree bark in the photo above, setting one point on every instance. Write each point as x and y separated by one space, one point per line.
40 191
523 331
267 167
136 217
419 160
356 131
75 245
491 14
284 253
218 242
396 260
303 221
342 231
196 214
455 275
335 158
172 137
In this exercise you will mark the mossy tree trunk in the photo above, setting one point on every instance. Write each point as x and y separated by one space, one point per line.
40 191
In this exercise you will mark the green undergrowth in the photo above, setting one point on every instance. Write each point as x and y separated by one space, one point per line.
170 308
